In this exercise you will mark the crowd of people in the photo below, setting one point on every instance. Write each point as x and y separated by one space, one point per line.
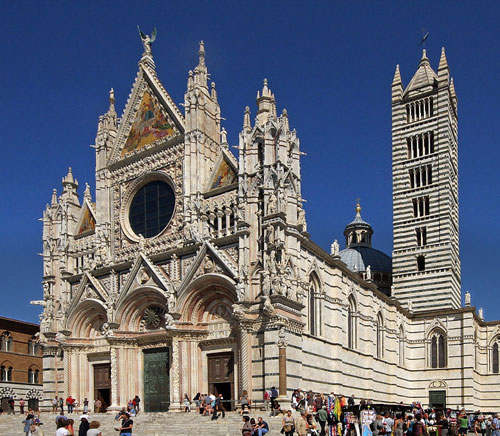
315 414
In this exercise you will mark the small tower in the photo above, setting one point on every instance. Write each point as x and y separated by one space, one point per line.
426 263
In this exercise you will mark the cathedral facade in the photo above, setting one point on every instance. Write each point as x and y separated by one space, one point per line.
191 270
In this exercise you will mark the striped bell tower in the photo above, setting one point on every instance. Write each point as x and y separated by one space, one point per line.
426 262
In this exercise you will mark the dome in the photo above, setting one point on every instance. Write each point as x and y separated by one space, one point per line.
359 257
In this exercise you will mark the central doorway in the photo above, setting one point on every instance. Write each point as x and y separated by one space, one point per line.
156 380
221 377
102 385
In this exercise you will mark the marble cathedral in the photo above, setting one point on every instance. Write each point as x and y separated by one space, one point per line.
191 270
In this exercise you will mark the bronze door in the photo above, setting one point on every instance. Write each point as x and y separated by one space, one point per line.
102 385
221 377
156 380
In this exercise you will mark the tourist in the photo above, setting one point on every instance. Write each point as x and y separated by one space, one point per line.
246 430
85 406
275 408
219 406
69 404
11 403
245 402
262 427
443 425
69 427
274 394
127 424
61 405
59 417
419 427
480 426
21 406
137 402
55 402
94 429
187 403
377 426
288 424
399 425
311 426
267 398
97 405
301 424
61 427
84 425
28 424
463 423
197 401
322 419
495 425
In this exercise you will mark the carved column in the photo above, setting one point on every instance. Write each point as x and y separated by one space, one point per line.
114 380
67 360
175 398
282 344
244 364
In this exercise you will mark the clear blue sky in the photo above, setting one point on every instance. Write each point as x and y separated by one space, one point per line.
330 63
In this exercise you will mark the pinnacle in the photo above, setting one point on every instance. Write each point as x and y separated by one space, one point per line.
443 63
397 77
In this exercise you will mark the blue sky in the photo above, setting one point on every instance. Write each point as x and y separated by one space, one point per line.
330 63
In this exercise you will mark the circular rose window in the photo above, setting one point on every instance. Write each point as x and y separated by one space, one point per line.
151 209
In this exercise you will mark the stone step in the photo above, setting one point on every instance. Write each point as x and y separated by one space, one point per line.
150 424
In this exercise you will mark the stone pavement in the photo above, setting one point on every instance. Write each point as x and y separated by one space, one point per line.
150 424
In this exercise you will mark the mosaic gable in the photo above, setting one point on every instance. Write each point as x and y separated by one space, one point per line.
149 125
224 176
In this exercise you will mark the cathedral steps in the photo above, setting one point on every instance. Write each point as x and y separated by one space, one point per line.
150 424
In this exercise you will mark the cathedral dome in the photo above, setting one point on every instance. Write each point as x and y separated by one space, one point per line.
359 253
359 257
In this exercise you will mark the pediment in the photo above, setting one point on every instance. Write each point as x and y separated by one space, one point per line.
145 273
89 288
209 259
225 173
87 220
150 118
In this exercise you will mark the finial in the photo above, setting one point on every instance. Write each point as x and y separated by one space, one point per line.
87 194
358 207
111 100
213 94
246 119
265 89
424 56
54 197
397 77
201 53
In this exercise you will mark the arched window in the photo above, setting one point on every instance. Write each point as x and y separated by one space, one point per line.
401 346
30 376
9 374
438 350
36 378
313 315
3 373
380 336
6 342
31 349
494 358
351 323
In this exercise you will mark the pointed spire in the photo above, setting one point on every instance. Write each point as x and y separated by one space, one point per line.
424 56
284 116
111 100
265 89
54 198
397 77
397 86
246 120
190 80
87 195
265 103
443 69
201 54
452 91
213 94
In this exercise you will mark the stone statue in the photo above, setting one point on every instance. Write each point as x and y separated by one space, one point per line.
368 272
481 314
467 299
268 308
282 200
335 248
301 220
147 40
266 284
240 291
270 235
238 311
223 136
169 321
410 306
46 290
171 302
106 330
272 204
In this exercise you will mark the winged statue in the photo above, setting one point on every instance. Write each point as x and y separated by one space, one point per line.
147 41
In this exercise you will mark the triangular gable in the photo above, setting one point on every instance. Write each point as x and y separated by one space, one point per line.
97 289
224 174
150 117
86 223
156 276
220 258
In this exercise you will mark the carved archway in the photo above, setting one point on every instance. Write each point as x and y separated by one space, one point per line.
87 319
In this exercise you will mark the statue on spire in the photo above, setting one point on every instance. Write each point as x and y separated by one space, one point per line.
147 41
